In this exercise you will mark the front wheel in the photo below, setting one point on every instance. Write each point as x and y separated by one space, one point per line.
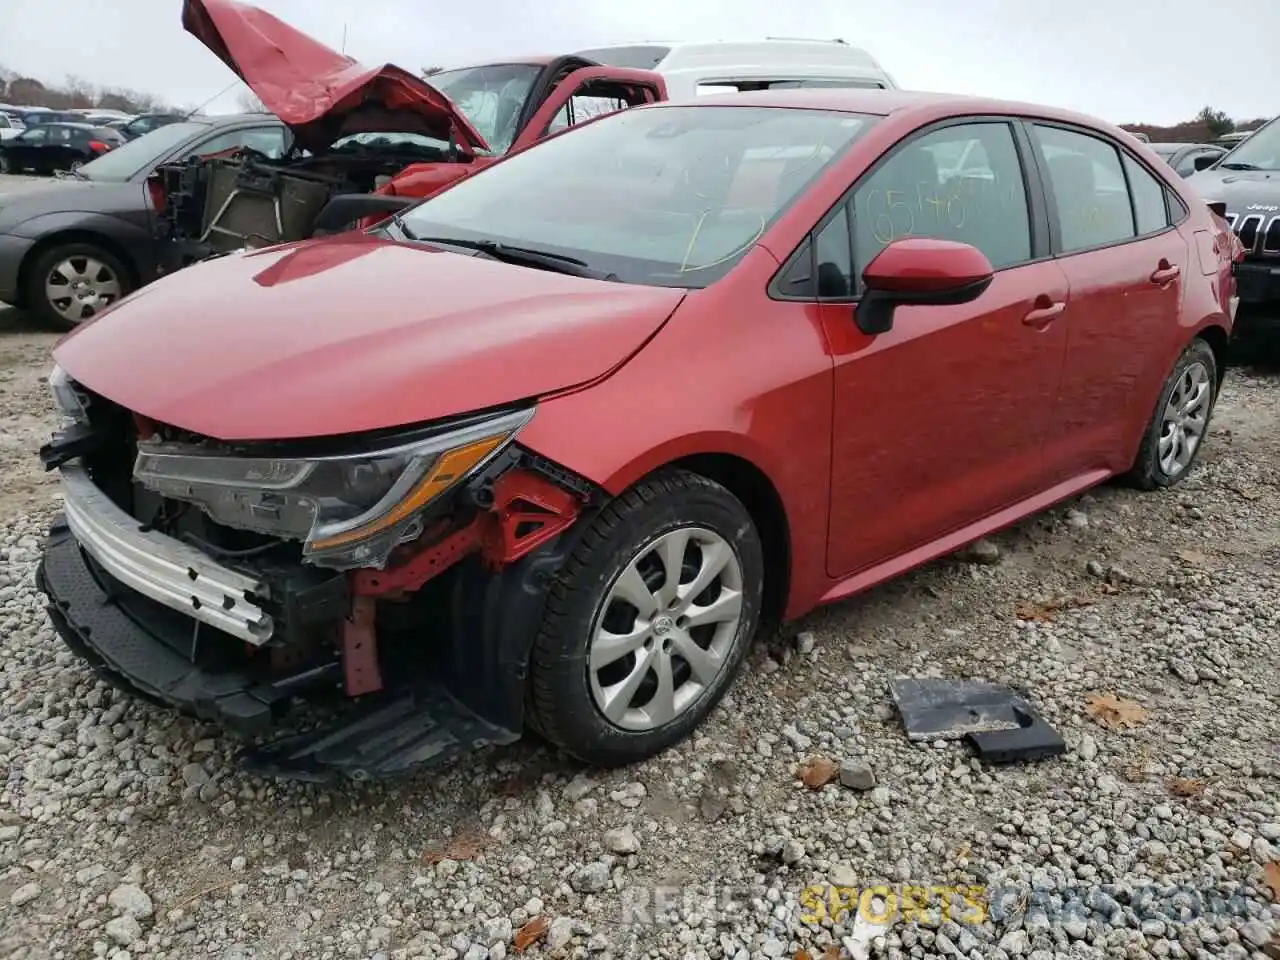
648 622
1180 423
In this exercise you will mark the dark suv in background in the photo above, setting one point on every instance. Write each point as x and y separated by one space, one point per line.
1247 180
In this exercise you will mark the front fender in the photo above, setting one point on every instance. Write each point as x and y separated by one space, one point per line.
137 244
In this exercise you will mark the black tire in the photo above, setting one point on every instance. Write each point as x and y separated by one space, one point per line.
38 302
1146 472
562 707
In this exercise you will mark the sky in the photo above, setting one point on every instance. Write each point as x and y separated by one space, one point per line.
1156 61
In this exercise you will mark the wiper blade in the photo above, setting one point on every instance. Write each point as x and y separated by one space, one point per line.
559 262
1239 165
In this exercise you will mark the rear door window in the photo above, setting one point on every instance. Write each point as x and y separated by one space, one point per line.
1088 188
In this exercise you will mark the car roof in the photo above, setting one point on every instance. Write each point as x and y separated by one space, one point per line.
884 103
1184 146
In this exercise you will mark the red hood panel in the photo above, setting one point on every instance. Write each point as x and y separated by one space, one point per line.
352 334
316 90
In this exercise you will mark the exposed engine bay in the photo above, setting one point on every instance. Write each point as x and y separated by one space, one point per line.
242 200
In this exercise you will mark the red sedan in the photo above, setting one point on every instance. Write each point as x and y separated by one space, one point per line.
546 449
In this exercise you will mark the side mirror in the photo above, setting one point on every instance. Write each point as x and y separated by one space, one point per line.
1204 163
918 271
345 208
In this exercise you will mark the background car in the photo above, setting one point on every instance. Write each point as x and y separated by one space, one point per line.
33 117
132 129
1182 156
47 147
97 226
10 126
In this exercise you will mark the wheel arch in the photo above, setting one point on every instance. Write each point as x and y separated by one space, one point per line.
757 492
1219 341
69 236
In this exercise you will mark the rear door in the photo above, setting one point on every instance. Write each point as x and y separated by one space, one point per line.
1113 228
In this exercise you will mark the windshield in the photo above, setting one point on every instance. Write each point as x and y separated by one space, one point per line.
669 196
126 160
491 97
1261 151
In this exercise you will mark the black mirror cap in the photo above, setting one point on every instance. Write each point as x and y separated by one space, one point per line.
873 314
1204 163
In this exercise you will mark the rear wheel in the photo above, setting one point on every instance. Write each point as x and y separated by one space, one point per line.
1180 422
648 622
72 283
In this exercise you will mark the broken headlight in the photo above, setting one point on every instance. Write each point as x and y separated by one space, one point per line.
347 510
67 397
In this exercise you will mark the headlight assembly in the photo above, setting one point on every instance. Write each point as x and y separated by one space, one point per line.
71 403
348 510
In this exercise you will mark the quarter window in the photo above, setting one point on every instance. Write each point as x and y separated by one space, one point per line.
1088 188
962 182
1148 198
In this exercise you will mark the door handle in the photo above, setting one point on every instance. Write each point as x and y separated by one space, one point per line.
1045 314
1165 272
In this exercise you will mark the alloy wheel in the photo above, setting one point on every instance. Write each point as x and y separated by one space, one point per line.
1186 416
665 629
81 286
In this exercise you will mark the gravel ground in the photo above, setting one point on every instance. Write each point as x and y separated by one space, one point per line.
128 833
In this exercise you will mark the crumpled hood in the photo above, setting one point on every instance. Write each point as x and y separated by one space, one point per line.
353 333
319 93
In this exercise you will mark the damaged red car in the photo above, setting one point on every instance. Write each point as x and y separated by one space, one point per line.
366 141
546 450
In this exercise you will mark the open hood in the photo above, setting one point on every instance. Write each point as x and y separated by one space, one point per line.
319 93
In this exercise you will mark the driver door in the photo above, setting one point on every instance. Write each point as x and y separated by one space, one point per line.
587 93
940 422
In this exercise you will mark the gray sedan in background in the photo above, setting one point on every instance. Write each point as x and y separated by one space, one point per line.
1183 156
75 245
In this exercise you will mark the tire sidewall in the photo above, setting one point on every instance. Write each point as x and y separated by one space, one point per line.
1198 351
563 652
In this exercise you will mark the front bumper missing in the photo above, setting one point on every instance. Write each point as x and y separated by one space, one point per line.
159 567
149 650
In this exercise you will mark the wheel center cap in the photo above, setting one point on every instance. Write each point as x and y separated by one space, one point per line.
662 626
